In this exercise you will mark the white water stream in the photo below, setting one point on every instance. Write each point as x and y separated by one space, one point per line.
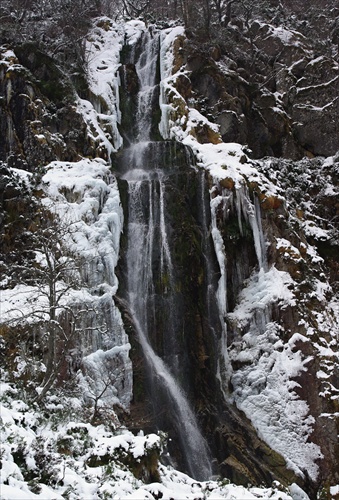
148 240
146 68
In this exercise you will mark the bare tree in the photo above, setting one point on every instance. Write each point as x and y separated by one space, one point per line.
223 9
101 376
134 8
50 273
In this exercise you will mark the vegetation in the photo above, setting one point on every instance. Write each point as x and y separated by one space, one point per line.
47 322
60 26
38 332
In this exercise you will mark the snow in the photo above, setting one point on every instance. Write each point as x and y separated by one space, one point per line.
321 289
133 30
287 36
317 109
97 126
264 390
311 229
290 251
7 54
297 493
319 86
23 174
262 290
264 387
85 194
41 441
13 492
29 304
86 197
103 47
223 161
168 37
284 35
313 254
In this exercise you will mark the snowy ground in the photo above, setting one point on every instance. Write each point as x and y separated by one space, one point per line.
51 457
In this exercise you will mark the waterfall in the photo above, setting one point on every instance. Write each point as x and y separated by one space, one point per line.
148 167
209 229
146 68
223 370
221 257
251 213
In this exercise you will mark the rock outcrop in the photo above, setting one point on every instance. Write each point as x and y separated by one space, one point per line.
265 87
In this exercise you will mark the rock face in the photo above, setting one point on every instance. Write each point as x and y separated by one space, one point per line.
38 116
41 123
256 264
296 323
266 87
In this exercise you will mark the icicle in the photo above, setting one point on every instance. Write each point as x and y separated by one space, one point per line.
261 242
9 90
224 366
165 113
164 108
10 132
221 257
238 206
166 68
116 86
115 116
251 214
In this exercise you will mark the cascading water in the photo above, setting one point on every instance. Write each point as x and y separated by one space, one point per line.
146 69
148 168
177 283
